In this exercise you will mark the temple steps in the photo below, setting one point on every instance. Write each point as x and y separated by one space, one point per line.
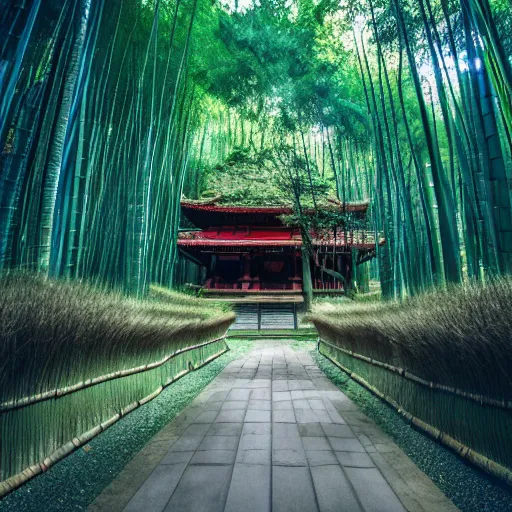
247 317
265 316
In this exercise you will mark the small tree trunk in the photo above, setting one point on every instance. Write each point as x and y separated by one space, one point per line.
307 283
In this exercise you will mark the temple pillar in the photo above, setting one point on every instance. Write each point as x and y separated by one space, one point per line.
246 278
255 280
296 279
340 268
353 268
247 266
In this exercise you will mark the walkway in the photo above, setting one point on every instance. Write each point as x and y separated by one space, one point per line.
271 432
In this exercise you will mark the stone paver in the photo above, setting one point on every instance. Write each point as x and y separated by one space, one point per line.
271 433
250 488
333 489
292 490
158 488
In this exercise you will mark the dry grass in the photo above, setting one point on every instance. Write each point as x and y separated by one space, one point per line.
461 337
55 333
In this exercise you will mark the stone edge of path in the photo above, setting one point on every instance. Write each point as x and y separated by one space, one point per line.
119 492
413 488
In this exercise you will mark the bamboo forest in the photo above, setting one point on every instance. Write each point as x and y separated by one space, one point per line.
256 255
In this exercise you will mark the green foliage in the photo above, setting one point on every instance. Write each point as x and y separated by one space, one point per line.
245 178
185 299
110 111
97 130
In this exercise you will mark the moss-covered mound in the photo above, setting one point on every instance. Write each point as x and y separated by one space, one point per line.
263 178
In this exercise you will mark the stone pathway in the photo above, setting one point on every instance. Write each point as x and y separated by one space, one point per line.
271 432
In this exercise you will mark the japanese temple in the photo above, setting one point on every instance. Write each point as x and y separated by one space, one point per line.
248 252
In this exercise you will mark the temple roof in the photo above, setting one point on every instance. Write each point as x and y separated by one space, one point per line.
272 237
206 214
244 237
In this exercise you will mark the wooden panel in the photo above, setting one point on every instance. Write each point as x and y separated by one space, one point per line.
253 296
246 317
277 316
264 316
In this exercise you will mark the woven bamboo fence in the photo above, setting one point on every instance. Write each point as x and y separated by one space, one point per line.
476 427
39 430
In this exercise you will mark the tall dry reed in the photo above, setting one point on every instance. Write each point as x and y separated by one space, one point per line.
460 337
57 333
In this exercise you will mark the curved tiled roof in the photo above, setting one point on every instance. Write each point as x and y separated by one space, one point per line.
269 210
277 237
